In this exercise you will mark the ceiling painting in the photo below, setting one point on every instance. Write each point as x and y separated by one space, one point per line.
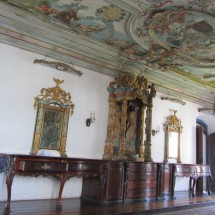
205 76
162 39
99 20
187 34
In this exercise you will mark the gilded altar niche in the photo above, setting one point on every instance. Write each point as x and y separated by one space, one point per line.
130 102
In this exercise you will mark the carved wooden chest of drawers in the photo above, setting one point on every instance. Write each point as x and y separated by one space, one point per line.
141 181
122 181
109 187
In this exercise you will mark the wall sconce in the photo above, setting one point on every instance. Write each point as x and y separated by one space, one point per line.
154 132
90 120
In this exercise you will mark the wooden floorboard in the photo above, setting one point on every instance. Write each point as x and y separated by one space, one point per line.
76 207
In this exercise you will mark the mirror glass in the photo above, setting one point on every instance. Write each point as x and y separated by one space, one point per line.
51 132
173 144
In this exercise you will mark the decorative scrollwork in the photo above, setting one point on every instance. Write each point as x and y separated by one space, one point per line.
55 94
172 99
59 66
173 122
130 83
129 52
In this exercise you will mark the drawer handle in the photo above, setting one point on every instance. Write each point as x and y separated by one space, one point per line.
45 166
83 166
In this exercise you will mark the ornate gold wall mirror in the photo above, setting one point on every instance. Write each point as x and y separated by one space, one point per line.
173 129
53 108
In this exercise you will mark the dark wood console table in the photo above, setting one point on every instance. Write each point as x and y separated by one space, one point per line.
194 171
60 168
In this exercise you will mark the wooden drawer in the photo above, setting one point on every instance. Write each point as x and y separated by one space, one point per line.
136 176
141 185
187 169
39 166
140 194
91 167
142 167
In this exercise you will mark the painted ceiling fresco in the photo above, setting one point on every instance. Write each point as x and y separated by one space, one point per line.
97 19
163 35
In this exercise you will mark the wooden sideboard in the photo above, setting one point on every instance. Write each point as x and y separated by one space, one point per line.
123 181
60 168
105 181
194 171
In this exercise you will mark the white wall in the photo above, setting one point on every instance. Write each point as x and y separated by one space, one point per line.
21 80
188 114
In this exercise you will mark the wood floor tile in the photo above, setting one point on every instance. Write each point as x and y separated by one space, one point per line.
76 207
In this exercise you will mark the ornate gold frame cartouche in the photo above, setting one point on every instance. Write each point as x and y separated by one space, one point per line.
56 100
173 124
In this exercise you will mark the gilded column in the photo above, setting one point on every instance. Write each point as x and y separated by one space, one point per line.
123 128
142 128
147 153
108 149
64 133
179 142
38 129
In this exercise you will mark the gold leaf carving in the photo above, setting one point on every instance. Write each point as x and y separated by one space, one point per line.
55 94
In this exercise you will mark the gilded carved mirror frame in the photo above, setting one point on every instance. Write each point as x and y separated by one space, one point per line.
172 128
53 108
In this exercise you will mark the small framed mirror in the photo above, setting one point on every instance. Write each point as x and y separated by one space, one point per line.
53 109
173 130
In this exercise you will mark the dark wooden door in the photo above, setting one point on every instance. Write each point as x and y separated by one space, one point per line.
199 155
210 154
199 145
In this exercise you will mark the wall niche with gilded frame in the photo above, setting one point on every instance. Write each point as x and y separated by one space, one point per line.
173 129
129 118
53 109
